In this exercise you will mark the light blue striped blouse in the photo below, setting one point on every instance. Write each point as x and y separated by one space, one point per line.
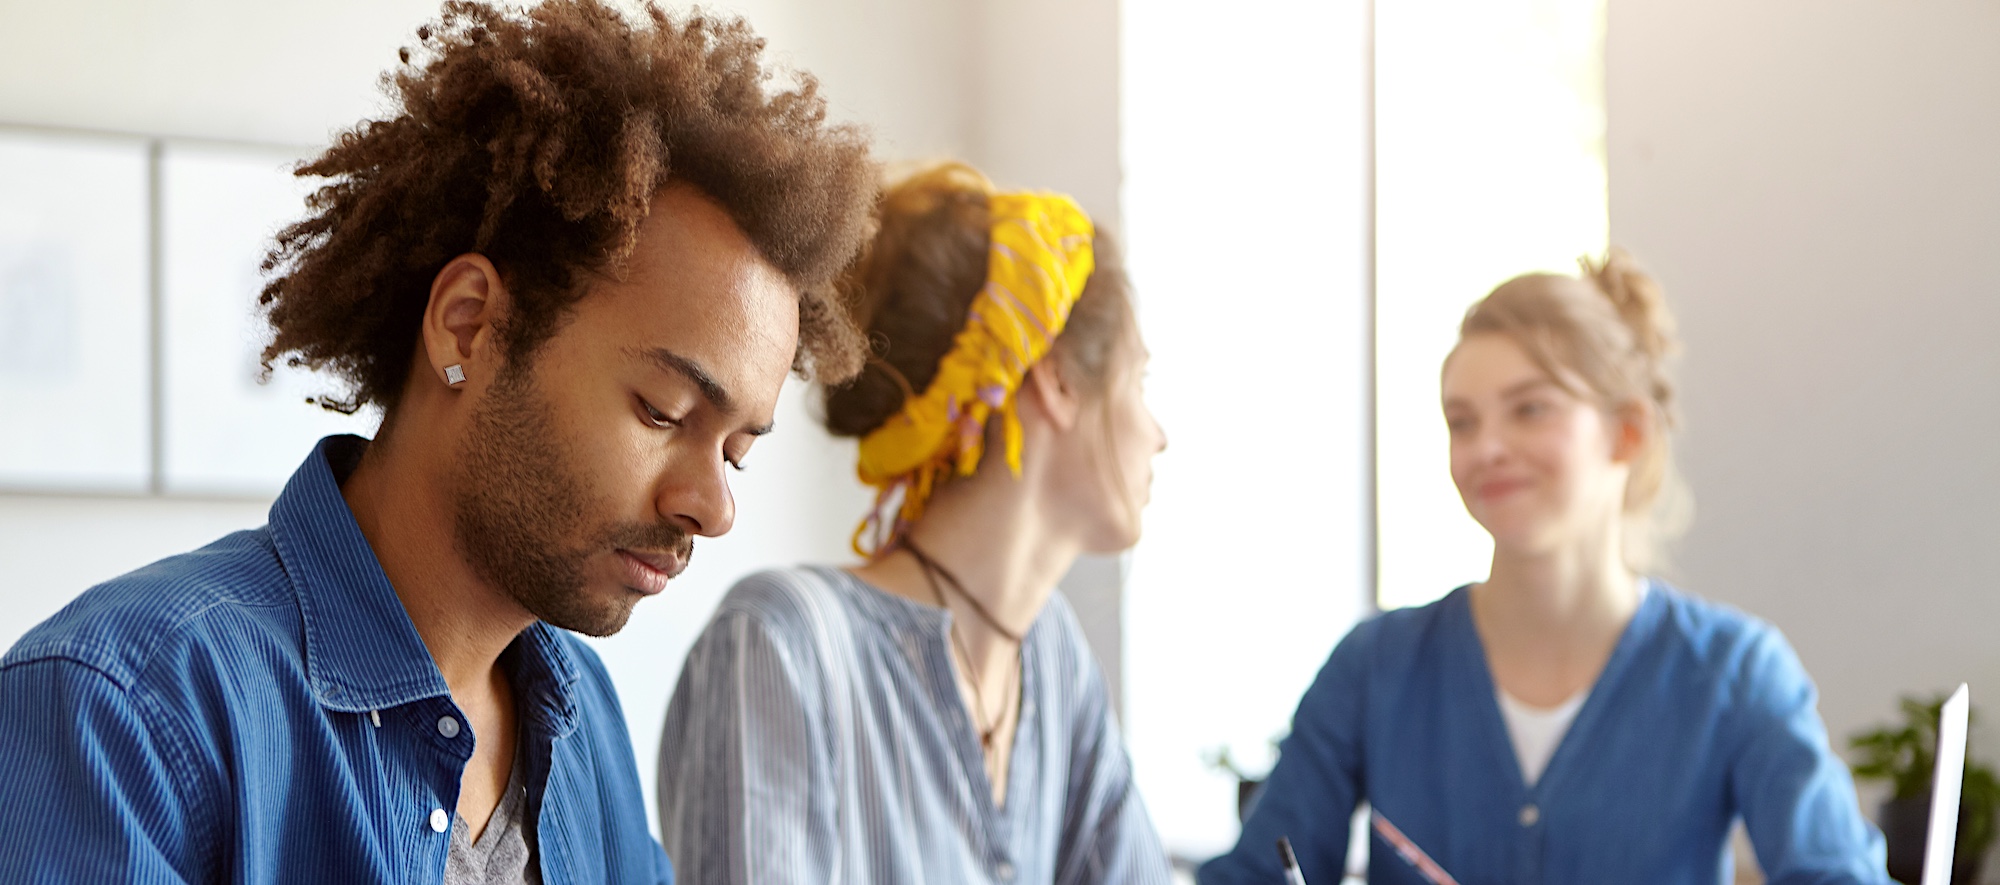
817 736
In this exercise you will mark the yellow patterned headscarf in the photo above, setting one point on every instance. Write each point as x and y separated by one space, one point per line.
1036 267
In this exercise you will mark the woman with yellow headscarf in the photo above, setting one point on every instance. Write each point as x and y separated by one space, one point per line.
933 713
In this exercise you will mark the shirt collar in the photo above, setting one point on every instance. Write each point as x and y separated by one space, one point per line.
545 675
362 651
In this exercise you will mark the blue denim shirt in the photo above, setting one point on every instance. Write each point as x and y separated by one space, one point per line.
262 710
1701 716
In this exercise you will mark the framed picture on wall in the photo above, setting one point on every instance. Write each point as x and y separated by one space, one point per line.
226 429
75 324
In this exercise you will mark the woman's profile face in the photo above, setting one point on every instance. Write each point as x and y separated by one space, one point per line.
1534 463
1119 439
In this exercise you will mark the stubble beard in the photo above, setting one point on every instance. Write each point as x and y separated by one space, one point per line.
523 516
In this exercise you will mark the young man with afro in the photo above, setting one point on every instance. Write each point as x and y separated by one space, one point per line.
573 270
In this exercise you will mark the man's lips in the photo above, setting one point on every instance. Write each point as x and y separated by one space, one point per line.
649 572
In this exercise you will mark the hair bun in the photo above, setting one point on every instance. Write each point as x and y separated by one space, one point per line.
911 288
1640 301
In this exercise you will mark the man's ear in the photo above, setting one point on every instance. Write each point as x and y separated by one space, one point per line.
1048 389
460 331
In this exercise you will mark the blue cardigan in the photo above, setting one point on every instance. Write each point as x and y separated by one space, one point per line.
1702 714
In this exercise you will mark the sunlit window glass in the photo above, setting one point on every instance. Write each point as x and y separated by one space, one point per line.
1489 138
1245 197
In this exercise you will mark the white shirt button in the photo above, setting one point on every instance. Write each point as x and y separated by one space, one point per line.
1004 870
440 821
448 727
1530 815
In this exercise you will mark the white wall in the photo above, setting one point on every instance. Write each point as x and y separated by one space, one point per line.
1045 83
282 72
292 71
1818 184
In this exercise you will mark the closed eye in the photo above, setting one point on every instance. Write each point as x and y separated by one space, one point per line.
735 453
656 417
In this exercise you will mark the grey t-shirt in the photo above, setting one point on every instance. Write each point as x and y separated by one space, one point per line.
504 854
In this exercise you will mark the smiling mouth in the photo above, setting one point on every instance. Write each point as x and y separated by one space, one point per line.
1501 488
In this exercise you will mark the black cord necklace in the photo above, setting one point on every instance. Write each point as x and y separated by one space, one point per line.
987 728
931 566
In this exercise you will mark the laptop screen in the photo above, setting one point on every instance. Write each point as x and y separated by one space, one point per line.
1950 776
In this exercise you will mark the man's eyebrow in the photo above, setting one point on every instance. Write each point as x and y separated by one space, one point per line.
711 389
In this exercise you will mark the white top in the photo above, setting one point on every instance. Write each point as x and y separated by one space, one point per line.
1537 731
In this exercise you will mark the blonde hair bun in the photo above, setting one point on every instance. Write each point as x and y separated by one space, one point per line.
1640 300
1642 303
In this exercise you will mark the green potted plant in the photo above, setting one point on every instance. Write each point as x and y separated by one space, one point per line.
1905 756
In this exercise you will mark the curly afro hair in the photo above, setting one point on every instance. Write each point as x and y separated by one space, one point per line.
538 138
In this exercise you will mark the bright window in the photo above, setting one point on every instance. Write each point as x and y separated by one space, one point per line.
1489 139
1247 215
1245 210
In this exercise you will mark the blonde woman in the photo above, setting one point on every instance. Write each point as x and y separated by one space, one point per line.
1568 719
932 714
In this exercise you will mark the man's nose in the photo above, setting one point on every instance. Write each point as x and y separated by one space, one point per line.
698 500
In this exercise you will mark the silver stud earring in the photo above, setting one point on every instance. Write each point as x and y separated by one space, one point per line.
454 374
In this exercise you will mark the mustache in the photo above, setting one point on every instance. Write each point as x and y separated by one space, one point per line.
654 537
